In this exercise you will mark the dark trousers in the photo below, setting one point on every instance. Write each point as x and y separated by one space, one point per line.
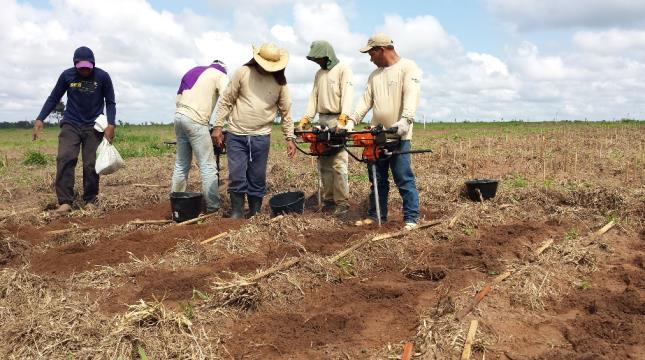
70 140
401 168
247 163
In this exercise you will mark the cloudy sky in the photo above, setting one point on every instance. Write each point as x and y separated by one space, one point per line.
481 59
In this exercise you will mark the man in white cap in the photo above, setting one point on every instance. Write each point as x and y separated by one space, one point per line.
392 93
257 91
197 95
331 97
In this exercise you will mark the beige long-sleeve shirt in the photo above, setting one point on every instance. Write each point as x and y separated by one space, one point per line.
392 93
332 93
198 101
252 100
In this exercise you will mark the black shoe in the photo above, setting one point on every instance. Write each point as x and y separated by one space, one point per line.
328 206
237 205
255 204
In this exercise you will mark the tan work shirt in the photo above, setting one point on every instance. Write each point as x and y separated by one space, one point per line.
252 100
332 93
199 101
392 93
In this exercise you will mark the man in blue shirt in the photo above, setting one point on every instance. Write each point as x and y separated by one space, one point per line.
89 91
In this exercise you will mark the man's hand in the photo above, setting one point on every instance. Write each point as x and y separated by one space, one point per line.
403 127
108 133
38 125
303 123
291 148
349 126
218 136
342 120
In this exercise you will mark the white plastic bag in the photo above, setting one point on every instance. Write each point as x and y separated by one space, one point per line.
100 124
108 160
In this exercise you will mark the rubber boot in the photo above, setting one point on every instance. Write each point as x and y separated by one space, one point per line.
255 204
237 205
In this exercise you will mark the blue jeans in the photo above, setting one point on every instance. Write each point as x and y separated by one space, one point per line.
193 137
247 157
404 180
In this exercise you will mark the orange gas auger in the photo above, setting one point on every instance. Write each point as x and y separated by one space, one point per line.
378 144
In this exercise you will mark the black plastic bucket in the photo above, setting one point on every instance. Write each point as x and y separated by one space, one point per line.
185 205
487 188
287 202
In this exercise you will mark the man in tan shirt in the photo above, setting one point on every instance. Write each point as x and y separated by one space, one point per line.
256 92
331 98
392 93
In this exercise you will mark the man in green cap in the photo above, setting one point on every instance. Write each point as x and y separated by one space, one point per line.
331 98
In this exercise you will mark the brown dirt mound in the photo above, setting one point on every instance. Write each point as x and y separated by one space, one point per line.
335 318
75 257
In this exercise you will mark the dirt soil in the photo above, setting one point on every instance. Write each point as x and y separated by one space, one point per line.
69 285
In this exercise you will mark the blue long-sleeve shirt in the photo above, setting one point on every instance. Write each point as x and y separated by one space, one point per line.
86 97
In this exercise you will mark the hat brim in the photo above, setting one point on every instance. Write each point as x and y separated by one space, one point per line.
366 49
271 66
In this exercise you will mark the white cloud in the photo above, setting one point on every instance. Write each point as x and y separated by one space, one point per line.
284 33
146 51
536 14
612 41
422 36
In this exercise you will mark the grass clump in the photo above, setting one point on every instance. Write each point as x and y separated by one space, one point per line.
35 158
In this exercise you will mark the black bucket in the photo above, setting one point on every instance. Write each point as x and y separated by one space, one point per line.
287 202
487 188
185 205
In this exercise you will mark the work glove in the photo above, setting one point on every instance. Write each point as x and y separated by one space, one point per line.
342 120
303 123
348 126
403 127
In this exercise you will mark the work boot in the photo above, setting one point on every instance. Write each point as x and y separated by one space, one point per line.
255 204
63 209
341 210
328 206
237 205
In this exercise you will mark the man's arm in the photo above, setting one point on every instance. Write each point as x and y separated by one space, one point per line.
346 90
411 92
54 98
220 87
284 105
312 104
364 104
229 97
110 103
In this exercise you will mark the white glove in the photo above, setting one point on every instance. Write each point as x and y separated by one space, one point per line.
349 126
403 127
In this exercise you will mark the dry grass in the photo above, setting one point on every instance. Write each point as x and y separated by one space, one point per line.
568 174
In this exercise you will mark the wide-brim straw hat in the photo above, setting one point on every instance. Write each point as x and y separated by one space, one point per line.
270 57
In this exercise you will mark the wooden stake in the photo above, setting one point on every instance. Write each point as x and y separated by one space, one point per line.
213 238
253 279
605 228
197 219
147 185
149 222
456 217
482 294
360 243
544 246
472 330
407 351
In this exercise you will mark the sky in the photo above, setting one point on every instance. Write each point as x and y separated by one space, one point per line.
482 60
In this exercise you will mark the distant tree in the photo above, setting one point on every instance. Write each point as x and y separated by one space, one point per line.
58 111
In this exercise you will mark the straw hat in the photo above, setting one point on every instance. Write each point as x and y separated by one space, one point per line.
270 57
